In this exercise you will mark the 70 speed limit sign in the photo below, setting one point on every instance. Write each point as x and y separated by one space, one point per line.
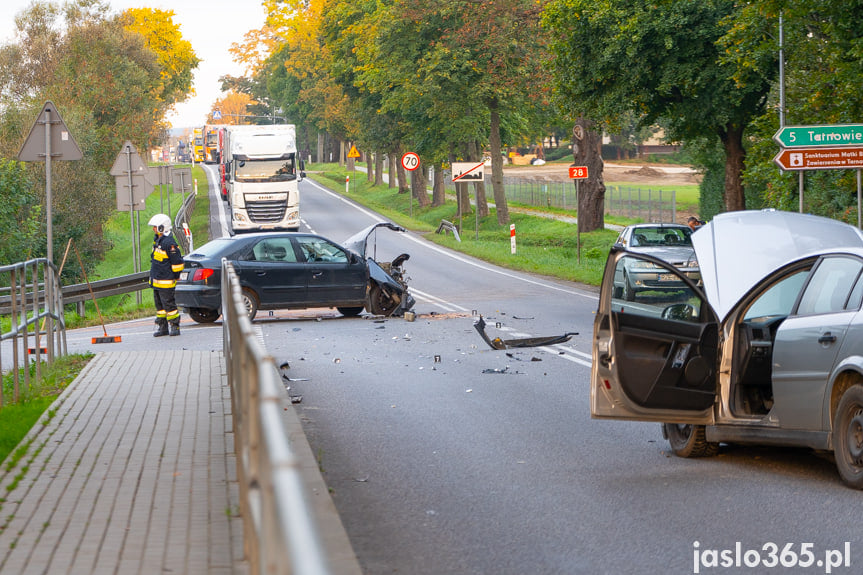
410 161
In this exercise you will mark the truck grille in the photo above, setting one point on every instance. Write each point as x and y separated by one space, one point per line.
269 212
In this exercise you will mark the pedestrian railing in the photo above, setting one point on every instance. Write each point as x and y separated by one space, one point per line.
34 309
280 534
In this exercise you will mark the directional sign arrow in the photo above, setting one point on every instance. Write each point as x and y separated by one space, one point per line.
839 158
826 135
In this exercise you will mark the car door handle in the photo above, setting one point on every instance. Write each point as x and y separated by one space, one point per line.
827 338
317 274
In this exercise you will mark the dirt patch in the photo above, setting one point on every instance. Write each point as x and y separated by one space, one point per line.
656 174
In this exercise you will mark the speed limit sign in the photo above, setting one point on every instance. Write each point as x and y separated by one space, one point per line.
411 161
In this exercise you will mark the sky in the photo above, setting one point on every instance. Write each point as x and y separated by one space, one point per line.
210 26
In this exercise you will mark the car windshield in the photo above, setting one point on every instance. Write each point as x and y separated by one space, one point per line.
266 170
661 236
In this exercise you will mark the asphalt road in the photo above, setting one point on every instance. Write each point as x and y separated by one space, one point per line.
447 457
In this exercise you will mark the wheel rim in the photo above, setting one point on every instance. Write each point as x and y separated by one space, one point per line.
247 302
854 436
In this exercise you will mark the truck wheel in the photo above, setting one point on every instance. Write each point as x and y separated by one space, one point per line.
689 440
848 437
379 302
250 300
201 315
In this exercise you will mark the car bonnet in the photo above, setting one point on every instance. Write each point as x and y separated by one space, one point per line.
736 250
357 242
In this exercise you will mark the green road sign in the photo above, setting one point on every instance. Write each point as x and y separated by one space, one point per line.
827 135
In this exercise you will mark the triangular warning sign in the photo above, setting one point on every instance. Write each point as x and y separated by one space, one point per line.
63 146
128 160
353 153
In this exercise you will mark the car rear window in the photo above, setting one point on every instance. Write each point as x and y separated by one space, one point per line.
211 249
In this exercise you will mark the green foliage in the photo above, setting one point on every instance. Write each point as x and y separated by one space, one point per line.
20 212
108 85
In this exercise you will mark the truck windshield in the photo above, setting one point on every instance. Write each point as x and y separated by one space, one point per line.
266 170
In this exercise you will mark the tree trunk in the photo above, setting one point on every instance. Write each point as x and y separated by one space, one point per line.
402 176
392 171
370 167
497 167
439 188
479 187
341 153
419 186
320 151
379 169
735 159
586 151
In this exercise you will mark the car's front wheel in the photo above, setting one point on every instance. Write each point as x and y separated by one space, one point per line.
250 300
201 315
848 437
628 290
689 440
380 302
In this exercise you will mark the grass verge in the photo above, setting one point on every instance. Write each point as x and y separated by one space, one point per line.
20 413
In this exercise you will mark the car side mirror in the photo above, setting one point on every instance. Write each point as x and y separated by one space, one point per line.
680 312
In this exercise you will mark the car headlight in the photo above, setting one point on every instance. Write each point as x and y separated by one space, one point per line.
641 264
691 264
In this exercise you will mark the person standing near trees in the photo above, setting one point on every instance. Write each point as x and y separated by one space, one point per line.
166 263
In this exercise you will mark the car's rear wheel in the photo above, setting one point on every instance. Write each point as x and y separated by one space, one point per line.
202 315
250 300
380 302
848 437
689 440
350 311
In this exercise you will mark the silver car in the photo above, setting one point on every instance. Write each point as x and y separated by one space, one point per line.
671 243
769 351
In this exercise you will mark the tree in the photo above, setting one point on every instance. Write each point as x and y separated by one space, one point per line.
175 56
233 107
108 85
823 60
660 60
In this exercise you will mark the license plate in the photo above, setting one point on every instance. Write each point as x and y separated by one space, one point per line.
183 276
667 277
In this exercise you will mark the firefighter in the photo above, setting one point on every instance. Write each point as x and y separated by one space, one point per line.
166 263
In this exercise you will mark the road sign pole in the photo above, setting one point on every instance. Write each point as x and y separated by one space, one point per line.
48 199
859 226
577 225
800 192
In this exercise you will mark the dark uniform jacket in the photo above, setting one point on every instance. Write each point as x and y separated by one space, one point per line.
166 262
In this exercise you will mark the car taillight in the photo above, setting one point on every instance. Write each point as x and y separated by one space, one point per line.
201 274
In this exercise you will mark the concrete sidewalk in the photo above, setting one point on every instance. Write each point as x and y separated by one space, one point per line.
135 473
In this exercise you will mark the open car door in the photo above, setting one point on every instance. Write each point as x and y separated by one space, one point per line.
654 354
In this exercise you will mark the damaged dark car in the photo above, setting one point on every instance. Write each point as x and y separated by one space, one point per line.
294 270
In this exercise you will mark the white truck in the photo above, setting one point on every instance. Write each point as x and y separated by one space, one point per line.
262 173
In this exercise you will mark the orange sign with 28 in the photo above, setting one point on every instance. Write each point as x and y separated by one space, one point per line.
578 172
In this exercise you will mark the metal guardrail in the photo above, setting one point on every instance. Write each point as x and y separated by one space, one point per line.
280 534
184 216
40 315
81 292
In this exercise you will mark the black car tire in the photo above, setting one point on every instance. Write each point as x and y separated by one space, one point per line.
202 315
848 437
628 291
350 311
689 440
380 303
250 300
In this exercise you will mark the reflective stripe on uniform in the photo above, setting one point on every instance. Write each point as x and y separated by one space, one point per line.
176 268
163 283
161 313
172 314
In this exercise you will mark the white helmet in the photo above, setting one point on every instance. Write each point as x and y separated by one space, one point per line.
162 223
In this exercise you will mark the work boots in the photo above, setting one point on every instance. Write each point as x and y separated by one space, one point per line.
161 327
173 329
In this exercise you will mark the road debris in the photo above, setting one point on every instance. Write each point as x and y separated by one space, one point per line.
498 343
